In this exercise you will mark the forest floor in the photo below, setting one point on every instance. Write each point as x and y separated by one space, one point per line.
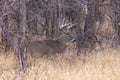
98 65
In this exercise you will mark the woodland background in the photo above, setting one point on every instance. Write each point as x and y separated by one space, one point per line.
97 22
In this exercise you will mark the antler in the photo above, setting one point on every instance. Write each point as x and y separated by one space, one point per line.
63 23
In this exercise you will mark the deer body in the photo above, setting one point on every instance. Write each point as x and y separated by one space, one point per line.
46 47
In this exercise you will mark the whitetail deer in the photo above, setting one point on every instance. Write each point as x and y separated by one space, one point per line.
51 47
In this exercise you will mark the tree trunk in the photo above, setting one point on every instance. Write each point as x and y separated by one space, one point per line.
21 33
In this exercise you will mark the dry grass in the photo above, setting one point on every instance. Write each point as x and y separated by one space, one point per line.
102 65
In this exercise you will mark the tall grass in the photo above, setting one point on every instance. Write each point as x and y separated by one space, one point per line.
101 65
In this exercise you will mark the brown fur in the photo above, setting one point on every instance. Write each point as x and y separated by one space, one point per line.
46 47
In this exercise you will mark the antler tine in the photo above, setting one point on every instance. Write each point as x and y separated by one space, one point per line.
71 25
61 22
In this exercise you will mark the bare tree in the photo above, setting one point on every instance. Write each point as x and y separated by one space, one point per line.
22 30
115 18
96 22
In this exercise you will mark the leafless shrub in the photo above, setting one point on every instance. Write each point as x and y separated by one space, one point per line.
97 21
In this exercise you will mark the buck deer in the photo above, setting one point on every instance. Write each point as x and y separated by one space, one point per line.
51 47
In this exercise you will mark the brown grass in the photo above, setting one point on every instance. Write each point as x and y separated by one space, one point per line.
101 65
